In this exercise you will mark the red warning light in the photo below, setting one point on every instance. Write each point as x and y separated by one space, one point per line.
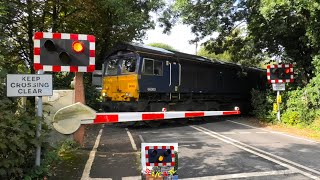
287 71
77 46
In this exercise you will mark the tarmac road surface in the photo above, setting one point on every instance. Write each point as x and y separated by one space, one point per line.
226 148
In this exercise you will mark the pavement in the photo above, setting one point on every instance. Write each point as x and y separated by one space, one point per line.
211 148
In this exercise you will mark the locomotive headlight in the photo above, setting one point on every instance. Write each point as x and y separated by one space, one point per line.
128 94
104 93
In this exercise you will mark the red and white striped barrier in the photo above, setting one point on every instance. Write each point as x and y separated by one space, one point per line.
68 119
149 116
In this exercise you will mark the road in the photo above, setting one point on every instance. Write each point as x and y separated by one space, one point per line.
221 148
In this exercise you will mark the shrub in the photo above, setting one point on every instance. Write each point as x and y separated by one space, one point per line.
291 117
18 140
262 103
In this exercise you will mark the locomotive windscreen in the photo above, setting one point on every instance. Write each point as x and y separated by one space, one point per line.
121 64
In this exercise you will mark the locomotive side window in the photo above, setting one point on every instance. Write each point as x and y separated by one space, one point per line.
128 65
148 67
152 67
158 68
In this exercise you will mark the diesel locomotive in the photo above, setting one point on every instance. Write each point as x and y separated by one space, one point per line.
142 78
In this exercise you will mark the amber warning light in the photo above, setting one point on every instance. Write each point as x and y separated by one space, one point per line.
77 47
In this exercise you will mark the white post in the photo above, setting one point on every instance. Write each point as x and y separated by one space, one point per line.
278 94
278 113
38 133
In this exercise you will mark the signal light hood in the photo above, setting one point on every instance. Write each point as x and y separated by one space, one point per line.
65 58
50 46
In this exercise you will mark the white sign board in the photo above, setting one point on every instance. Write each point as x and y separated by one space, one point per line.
279 87
29 85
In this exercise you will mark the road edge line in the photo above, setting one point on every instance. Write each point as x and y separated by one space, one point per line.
275 132
218 136
133 144
87 168
243 175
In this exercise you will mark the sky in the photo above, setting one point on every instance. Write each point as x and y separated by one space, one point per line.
178 38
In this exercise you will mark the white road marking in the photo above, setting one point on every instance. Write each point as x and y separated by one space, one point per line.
134 147
262 132
228 133
243 132
87 168
256 152
261 151
274 132
243 175
131 178
141 138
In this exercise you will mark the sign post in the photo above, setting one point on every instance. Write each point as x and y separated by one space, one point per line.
278 103
278 87
64 52
38 85
39 113
278 74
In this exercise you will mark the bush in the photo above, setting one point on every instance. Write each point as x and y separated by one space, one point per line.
291 117
262 103
18 140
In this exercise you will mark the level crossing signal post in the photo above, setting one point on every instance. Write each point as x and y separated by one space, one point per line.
63 52
279 74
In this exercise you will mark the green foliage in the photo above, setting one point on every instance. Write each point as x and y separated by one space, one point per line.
17 140
162 45
62 80
50 160
176 165
110 21
255 32
67 146
93 97
291 117
262 103
303 104
205 53
18 136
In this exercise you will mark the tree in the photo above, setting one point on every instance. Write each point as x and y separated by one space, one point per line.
162 45
205 53
109 21
284 29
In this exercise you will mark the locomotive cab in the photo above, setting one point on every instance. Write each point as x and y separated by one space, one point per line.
139 80
120 77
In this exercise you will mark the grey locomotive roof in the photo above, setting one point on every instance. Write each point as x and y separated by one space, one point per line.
176 54
152 48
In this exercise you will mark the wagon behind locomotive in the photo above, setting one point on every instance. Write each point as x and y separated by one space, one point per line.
142 78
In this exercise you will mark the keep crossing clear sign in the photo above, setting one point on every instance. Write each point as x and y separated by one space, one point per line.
19 85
